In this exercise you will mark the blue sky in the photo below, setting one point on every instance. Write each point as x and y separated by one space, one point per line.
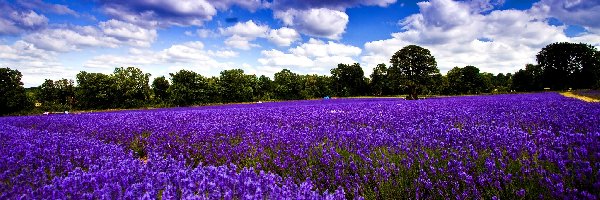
56 39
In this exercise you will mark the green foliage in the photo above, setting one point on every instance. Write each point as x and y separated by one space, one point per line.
13 97
160 87
569 65
379 84
236 86
56 95
348 80
95 90
287 85
413 67
529 79
315 86
467 80
264 88
131 87
189 88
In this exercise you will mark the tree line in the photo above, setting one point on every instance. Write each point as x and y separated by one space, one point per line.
413 71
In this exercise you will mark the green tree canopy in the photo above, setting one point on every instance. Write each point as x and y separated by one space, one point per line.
379 80
528 79
264 88
13 97
348 80
287 85
569 65
236 86
57 95
160 87
95 90
189 88
315 86
131 87
414 68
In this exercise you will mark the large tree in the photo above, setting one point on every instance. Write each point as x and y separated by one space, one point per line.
56 95
287 85
12 93
236 86
415 67
569 65
131 87
528 79
379 80
348 80
188 88
264 88
95 90
160 87
315 86
472 79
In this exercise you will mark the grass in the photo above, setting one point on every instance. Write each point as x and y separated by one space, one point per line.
582 96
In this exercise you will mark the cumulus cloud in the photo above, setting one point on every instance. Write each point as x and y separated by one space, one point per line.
128 33
458 35
35 64
13 21
485 5
248 29
580 12
161 13
315 56
189 55
240 42
205 33
318 48
251 5
283 36
111 33
319 22
47 7
242 34
70 39
331 4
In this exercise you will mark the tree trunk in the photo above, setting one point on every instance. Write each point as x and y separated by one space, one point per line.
413 94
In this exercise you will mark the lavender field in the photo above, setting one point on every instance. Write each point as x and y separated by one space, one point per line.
494 147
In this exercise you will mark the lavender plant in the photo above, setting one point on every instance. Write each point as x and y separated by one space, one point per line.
503 146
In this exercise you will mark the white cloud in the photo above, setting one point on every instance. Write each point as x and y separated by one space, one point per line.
162 13
223 53
14 22
318 48
205 33
580 12
458 35
247 29
319 22
239 42
128 33
251 5
315 56
47 7
277 58
243 33
111 33
485 5
189 55
330 4
35 64
64 40
283 36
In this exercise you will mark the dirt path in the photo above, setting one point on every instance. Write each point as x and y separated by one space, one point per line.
583 98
